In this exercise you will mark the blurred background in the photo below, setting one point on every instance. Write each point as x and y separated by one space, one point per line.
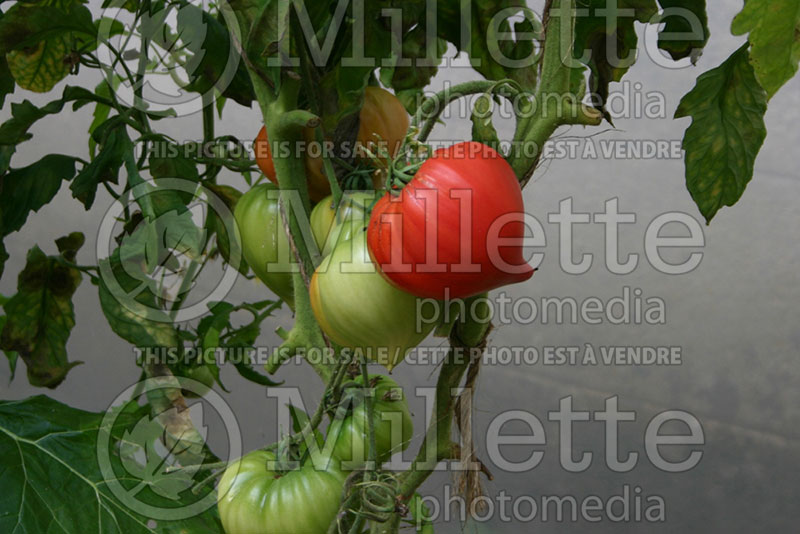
736 318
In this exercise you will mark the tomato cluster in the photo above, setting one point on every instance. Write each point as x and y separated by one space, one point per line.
255 497
455 230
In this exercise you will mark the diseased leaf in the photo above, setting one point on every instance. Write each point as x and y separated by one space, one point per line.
727 108
684 18
26 25
40 317
53 480
774 28
40 67
29 188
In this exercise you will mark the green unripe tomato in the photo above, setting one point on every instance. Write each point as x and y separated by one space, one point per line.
253 499
331 227
392 421
357 308
264 240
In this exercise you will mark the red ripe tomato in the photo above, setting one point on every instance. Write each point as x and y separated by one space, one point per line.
456 229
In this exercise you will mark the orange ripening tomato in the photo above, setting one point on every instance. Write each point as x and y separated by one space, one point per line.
383 121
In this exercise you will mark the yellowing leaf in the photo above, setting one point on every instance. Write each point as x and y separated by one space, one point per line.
40 68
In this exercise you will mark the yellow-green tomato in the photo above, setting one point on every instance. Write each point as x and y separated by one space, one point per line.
264 242
330 226
253 499
391 421
360 310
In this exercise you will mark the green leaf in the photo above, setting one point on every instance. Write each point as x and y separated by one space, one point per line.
53 482
25 114
269 39
6 81
40 318
491 56
727 108
210 332
101 112
212 62
221 228
483 130
170 162
115 143
69 245
606 41
412 71
682 20
245 369
774 28
211 326
6 151
3 257
299 418
29 188
128 300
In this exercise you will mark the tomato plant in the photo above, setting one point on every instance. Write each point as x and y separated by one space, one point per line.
360 310
263 239
256 499
392 423
447 224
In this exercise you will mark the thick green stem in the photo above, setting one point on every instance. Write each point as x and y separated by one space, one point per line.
284 124
437 443
554 104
